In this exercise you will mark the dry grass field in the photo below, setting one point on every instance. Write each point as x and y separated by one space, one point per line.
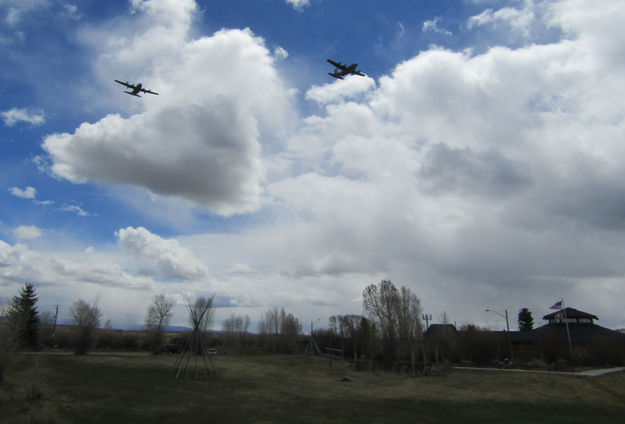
135 388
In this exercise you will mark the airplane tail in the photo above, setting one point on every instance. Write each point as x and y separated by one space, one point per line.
132 94
335 75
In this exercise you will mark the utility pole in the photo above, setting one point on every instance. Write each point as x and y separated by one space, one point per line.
507 332
56 314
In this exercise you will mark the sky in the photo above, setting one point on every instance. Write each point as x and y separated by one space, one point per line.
480 162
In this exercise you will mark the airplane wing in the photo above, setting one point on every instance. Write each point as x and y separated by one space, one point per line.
125 83
148 91
337 64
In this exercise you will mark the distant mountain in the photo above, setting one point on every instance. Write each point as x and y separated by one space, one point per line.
177 329
170 328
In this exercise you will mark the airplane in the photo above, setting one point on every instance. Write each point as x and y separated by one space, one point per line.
342 70
135 89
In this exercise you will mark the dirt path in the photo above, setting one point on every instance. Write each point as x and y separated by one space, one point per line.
588 373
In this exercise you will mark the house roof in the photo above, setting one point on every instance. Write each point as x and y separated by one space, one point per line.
571 313
580 333
440 330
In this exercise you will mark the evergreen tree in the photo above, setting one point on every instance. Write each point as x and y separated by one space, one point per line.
526 321
24 318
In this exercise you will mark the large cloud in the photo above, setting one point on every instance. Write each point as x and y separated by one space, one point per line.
199 139
20 263
170 258
480 180
494 176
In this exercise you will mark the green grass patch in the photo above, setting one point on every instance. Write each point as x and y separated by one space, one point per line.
292 389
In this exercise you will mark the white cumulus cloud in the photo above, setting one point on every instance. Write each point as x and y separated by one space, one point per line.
167 256
15 115
518 20
432 25
75 209
199 139
298 4
19 263
340 89
26 193
27 232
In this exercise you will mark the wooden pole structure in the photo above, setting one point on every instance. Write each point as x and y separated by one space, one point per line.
195 345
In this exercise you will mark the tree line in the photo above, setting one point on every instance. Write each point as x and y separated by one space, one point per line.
392 312
389 330
389 334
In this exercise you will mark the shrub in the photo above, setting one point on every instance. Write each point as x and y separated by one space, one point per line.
86 318
477 345
7 349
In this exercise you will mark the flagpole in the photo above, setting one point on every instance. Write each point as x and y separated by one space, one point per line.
568 333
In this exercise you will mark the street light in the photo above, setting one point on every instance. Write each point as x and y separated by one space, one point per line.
507 328
501 315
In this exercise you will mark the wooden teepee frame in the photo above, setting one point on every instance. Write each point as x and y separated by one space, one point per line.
195 352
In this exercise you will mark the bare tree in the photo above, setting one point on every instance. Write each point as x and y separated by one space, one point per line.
350 327
158 315
409 323
236 325
86 318
397 314
382 302
269 327
281 329
290 329
246 326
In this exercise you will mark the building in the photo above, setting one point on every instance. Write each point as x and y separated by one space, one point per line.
570 332
441 342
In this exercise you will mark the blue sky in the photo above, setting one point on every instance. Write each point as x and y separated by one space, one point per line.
479 162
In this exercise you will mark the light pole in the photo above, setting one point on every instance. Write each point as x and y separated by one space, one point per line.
507 330
501 315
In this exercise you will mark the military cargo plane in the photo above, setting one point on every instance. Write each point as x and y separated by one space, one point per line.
136 89
342 70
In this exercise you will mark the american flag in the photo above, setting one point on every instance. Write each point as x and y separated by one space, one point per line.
557 305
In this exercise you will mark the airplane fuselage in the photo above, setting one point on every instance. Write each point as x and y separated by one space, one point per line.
342 70
135 89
